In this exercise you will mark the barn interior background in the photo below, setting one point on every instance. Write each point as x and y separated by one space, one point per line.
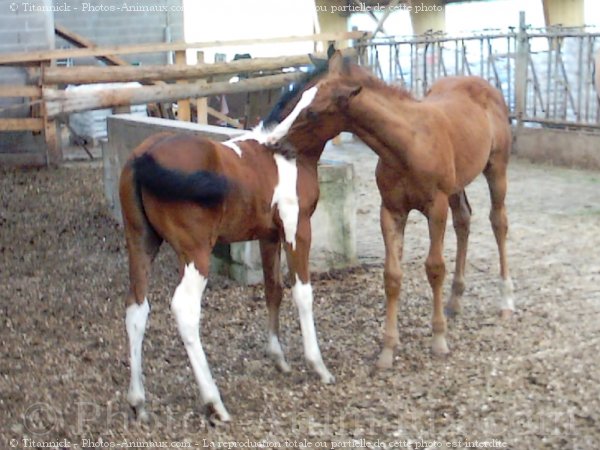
545 70
66 67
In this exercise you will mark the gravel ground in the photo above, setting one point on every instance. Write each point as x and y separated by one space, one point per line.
532 382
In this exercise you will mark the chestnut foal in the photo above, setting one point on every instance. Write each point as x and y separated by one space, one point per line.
428 152
194 192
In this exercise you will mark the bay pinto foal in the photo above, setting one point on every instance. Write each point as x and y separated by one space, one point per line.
428 151
194 192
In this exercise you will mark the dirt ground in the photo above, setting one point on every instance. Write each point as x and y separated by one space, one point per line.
532 382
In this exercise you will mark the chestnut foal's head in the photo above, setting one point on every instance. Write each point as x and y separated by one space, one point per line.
325 116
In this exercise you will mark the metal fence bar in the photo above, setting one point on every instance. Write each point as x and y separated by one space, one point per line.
545 75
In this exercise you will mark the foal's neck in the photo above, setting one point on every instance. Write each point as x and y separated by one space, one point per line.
384 122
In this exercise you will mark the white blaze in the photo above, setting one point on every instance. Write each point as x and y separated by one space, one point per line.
286 198
263 136
282 128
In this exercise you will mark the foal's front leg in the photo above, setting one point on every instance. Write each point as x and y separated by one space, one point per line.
270 251
435 267
298 253
392 228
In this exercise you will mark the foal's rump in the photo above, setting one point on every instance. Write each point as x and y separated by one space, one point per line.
181 168
202 187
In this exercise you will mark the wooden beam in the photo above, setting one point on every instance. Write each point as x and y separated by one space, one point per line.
20 91
82 42
27 124
386 14
371 14
43 55
228 120
64 102
150 73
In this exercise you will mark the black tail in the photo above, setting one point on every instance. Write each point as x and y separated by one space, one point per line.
202 187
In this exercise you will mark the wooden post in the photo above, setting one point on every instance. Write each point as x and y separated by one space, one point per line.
183 106
54 154
202 102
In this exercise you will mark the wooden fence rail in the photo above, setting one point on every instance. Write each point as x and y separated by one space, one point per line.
65 102
45 55
146 74
46 101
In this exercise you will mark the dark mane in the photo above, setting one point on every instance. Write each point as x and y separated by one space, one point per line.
274 116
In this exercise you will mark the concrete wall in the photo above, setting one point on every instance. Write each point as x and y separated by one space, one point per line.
122 27
22 29
333 223
570 148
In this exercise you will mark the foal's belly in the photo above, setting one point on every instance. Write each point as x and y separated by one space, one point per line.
242 222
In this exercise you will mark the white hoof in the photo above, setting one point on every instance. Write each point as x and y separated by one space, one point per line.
321 370
218 411
386 359
439 346
327 378
142 415
275 353
282 365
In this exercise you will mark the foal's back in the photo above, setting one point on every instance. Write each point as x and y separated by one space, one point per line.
479 124
458 92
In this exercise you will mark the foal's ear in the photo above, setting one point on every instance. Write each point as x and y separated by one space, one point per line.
344 94
337 64
321 63
330 50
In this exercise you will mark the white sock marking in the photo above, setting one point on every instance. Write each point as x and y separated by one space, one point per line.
136 317
507 301
286 198
186 307
303 298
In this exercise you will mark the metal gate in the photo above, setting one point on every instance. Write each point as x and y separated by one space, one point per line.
546 75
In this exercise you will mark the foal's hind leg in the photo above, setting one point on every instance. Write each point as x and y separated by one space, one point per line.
186 307
271 261
392 228
495 174
461 220
142 247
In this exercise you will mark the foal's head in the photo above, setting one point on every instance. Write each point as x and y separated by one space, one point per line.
325 105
